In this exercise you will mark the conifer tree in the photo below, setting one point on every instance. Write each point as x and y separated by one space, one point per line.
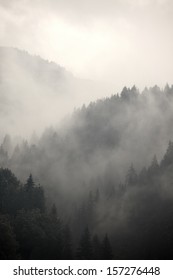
97 252
131 178
84 251
106 249
30 183
67 253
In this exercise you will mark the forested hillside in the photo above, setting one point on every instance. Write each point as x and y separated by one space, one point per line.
106 178
28 230
133 221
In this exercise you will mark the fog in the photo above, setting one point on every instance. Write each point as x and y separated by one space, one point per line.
105 45
37 93
121 42
102 45
86 102
109 167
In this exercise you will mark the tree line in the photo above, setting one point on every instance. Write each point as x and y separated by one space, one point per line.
142 228
30 230
105 194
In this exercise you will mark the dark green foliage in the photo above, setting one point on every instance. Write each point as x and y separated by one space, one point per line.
106 249
91 248
67 250
29 231
29 183
8 244
9 192
32 196
83 170
38 236
36 233
14 197
84 251
97 249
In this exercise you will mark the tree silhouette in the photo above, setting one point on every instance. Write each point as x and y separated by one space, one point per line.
84 251
30 183
106 249
131 178
97 249
67 251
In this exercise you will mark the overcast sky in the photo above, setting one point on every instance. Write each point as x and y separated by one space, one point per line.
123 42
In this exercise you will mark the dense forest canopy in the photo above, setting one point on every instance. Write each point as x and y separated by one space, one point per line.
99 187
86 130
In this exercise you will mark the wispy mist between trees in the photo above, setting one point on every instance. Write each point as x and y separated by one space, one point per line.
107 183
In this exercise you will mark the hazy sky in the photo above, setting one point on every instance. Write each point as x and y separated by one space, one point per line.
123 42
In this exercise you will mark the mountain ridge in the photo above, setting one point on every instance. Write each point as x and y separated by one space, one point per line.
29 84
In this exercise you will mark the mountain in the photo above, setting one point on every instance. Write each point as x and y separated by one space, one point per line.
35 93
106 172
101 139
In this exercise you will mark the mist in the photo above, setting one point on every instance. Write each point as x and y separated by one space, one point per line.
103 46
86 151
37 93
118 42
109 168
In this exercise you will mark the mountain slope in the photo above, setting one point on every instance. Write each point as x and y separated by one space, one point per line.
103 138
35 93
